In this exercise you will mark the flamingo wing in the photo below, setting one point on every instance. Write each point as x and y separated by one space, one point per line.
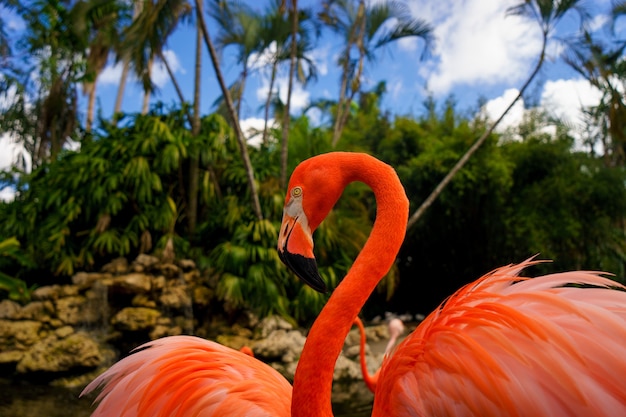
189 376
503 345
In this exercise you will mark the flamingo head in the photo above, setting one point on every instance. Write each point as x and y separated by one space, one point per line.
314 188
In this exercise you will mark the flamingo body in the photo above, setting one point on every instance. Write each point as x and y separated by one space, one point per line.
501 346
188 376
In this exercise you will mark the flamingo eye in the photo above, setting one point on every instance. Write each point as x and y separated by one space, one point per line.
296 192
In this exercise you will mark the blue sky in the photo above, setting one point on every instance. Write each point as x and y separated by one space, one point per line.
479 52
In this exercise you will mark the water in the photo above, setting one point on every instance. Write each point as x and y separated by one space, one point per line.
20 400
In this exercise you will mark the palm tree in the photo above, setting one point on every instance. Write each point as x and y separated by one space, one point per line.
101 21
365 28
241 140
547 13
146 37
239 26
605 69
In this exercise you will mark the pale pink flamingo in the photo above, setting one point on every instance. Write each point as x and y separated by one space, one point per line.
396 328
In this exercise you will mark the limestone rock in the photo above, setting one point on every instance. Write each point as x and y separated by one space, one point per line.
280 345
142 300
234 341
270 324
54 292
345 369
18 334
135 319
77 310
35 310
85 280
133 283
54 354
202 296
116 266
175 297
145 261
187 265
8 309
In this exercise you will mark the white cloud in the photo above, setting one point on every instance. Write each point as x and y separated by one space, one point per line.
252 129
495 107
564 99
299 96
598 22
160 77
111 74
476 42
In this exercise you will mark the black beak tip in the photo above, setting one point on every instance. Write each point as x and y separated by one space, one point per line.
305 268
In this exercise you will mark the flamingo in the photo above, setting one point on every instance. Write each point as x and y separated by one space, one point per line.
503 345
396 328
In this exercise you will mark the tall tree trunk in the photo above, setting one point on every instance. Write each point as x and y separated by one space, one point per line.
461 163
146 94
254 195
91 106
268 100
179 92
120 89
343 107
194 160
286 116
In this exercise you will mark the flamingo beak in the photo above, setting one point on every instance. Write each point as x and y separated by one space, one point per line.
295 250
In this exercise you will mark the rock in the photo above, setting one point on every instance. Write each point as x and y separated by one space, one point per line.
280 345
345 369
55 354
135 319
18 335
142 300
187 265
202 296
8 309
11 357
85 280
133 283
116 266
146 261
169 270
162 331
175 297
75 310
234 341
64 331
35 310
54 292
158 283
270 324
353 352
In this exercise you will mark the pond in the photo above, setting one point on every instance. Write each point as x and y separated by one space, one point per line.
21 400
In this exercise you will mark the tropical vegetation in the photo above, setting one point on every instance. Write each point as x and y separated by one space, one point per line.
181 184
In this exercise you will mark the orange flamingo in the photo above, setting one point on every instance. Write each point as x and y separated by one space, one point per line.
396 328
503 345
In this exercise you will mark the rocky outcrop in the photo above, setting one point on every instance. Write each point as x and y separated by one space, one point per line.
69 333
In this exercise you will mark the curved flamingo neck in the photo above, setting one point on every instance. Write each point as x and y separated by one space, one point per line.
314 375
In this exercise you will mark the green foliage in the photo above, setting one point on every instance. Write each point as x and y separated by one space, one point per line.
14 288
